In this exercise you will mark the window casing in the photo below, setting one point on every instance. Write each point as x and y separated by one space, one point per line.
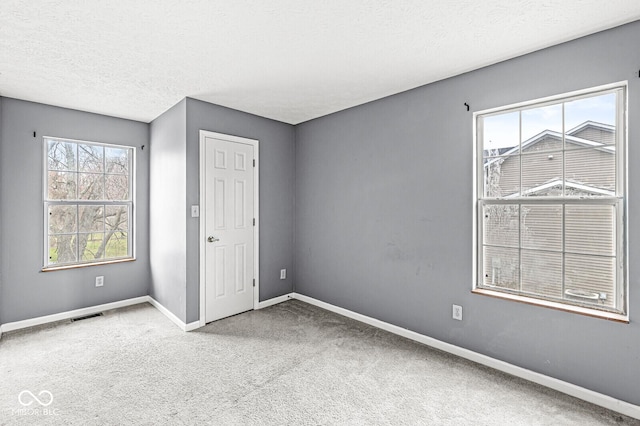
551 194
88 202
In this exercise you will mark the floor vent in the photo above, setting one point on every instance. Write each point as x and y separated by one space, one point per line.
86 317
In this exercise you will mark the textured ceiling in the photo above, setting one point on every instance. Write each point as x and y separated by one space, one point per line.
290 60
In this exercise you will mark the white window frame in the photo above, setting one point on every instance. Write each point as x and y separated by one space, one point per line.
131 256
619 200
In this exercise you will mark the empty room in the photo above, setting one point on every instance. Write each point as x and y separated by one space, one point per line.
338 212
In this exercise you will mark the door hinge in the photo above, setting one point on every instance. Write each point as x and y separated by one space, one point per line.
254 221
254 162
254 282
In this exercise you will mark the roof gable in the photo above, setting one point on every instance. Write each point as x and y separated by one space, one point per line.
558 136
581 187
591 124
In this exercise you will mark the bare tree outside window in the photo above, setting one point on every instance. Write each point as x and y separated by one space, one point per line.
88 199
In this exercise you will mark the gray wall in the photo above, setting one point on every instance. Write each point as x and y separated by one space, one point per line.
27 292
168 271
384 202
1 235
277 172
383 212
168 255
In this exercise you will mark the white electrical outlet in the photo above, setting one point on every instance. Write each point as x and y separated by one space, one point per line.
457 312
283 274
99 281
195 211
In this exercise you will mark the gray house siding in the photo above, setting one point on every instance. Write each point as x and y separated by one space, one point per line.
594 134
542 162
587 230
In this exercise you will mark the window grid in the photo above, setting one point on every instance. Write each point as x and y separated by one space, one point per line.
114 239
521 199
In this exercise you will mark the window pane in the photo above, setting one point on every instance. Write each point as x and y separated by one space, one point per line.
542 174
501 225
541 227
91 246
62 249
117 218
592 119
61 155
590 279
590 229
117 187
118 245
90 186
91 158
117 160
535 121
534 157
591 172
500 133
87 171
91 218
545 143
501 267
63 219
501 176
61 186
542 273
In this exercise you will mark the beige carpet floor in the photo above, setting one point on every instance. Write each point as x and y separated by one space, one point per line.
291 364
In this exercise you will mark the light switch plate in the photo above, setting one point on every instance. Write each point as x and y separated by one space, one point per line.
195 211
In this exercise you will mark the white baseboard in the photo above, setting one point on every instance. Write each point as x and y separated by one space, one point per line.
192 326
177 321
196 324
261 305
602 400
32 322
275 301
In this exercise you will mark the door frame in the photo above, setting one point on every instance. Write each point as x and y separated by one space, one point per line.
202 202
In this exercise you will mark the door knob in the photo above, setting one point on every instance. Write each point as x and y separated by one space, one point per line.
212 239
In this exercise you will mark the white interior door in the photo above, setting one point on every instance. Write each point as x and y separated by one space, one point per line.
229 227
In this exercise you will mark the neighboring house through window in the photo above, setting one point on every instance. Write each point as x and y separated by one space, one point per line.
551 201
88 202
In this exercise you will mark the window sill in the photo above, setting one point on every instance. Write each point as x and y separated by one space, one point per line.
554 305
85 265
